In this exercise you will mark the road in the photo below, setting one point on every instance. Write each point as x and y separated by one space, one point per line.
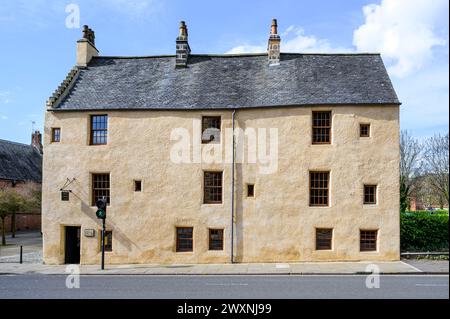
224 287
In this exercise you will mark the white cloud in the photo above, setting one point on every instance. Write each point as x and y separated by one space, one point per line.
293 39
403 31
5 97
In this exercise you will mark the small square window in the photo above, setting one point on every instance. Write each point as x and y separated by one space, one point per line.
184 239
138 186
250 190
56 135
65 196
216 239
324 238
364 130
368 240
370 194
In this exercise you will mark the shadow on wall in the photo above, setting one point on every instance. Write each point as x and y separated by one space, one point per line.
88 211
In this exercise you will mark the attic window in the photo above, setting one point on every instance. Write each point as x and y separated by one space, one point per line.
211 129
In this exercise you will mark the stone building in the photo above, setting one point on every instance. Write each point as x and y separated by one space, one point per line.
21 169
311 172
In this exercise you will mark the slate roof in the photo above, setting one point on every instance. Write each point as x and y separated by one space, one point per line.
229 81
20 162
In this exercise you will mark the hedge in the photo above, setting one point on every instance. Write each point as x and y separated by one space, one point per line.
424 231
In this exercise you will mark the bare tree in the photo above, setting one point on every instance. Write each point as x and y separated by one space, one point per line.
410 166
436 161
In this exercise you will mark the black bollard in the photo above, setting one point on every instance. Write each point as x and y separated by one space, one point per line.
21 253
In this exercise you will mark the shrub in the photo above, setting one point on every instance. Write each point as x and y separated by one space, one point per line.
424 231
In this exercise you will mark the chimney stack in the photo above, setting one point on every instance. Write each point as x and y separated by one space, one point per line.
273 48
183 49
86 47
36 140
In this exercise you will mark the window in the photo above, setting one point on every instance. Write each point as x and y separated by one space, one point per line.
324 238
99 129
318 188
65 196
250 190
368 240
216 239
184 239
56 135
321 127
370 194
100 187
211 129
138 186
213 188
364 130
108 240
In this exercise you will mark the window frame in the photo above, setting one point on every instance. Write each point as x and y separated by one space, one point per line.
368 126
318 247
217 118
375 197
178 249
206 187
108 247
53 137
92 130
368 249
210 240
311 204
329 127
93 188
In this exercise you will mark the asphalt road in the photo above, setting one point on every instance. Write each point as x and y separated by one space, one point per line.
224 287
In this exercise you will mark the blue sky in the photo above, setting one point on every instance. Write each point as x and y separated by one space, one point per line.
37 48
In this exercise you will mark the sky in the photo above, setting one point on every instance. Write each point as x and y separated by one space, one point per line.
38 44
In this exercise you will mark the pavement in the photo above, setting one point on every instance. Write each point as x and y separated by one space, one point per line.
224 287
32 264
32 247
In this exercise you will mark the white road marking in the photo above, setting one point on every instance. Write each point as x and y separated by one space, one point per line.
225 284
416 269
431 285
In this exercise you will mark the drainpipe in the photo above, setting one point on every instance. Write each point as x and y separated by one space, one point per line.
232 189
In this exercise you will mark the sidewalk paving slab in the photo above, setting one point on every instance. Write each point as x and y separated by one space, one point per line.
304 268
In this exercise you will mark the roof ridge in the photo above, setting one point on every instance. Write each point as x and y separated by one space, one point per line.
232 55
16 143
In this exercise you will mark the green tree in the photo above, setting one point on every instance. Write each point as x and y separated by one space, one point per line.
10 203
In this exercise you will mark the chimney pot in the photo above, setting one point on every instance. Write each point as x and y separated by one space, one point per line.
273 47
182 47
36 140
86 47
